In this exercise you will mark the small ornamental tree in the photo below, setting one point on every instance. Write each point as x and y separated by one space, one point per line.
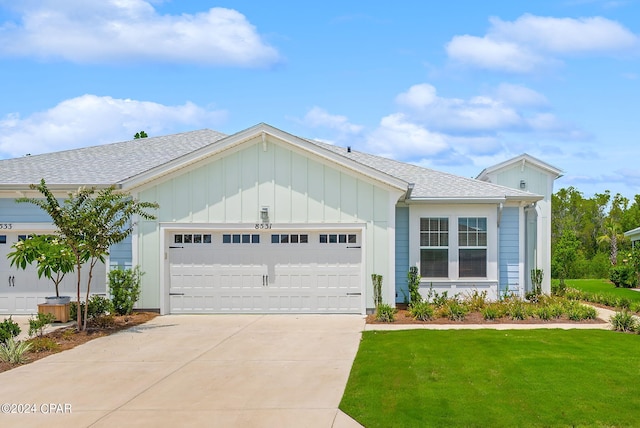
52 256
89 222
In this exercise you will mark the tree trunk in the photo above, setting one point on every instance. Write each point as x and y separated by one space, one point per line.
86 306
79 310
614 249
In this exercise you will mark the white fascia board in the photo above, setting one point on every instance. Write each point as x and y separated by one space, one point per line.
632 232
457 200
13 188
556 172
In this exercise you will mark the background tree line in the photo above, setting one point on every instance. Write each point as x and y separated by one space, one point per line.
587 234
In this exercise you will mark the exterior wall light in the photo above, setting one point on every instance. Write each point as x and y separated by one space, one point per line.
264 214
523 184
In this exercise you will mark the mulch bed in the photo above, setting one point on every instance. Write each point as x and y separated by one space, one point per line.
68 337
404 317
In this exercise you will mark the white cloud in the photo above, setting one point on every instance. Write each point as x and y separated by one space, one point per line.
518 95
455 114
398 138
531 42
90 120
565 35
432 130
490 54
131 30
318 117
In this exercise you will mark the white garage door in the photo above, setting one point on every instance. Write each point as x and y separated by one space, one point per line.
296 271
21 291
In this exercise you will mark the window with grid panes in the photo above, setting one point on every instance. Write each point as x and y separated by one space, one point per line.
472 247
434 247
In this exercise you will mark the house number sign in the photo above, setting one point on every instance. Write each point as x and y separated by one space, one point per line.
263 225
6 226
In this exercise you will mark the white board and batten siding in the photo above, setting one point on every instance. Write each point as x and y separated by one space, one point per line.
305 195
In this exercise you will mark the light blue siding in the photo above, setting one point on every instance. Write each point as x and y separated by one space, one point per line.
120 254
402 253
11 212
509 255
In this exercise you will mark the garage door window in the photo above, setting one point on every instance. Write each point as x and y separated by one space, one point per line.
238 238
192 238
289 239
3 239
338 238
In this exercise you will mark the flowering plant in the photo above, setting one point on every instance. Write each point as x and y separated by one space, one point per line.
53 257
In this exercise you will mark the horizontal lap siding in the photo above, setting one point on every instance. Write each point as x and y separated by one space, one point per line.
402 253
509 255
12 212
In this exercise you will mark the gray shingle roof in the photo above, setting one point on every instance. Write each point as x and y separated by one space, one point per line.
106 164
115 163
430 183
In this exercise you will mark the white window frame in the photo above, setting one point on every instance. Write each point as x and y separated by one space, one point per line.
438 244
453 212
477 234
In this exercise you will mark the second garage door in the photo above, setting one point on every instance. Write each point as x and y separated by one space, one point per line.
266 272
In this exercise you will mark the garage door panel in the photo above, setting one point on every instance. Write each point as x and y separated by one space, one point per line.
292 272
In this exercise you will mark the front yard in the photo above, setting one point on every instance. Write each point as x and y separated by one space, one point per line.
484 378
603 286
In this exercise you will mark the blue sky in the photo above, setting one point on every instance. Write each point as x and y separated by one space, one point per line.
456 86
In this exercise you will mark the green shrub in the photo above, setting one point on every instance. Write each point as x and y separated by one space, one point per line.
103 321
556 310
623 303
14 352
578 312
385 313
422 311
125 289
376 280
39 323
558 289
476 300
8 328
573 294
436 299
43 344
98 306
624 321
543 312
455 311
635 307
413 280
517 310
624 275
492 311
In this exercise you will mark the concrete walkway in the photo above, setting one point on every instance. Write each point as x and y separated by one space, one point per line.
194 370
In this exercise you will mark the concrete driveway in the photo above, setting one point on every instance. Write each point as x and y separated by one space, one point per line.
194 370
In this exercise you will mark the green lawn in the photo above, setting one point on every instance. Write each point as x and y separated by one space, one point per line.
601 286
491 378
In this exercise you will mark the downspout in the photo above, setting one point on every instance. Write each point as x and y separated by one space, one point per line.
500 208
407 194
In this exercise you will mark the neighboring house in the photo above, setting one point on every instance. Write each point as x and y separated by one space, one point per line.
264 221
634 236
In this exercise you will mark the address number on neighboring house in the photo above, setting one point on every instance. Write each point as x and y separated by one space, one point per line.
263 225
6 226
